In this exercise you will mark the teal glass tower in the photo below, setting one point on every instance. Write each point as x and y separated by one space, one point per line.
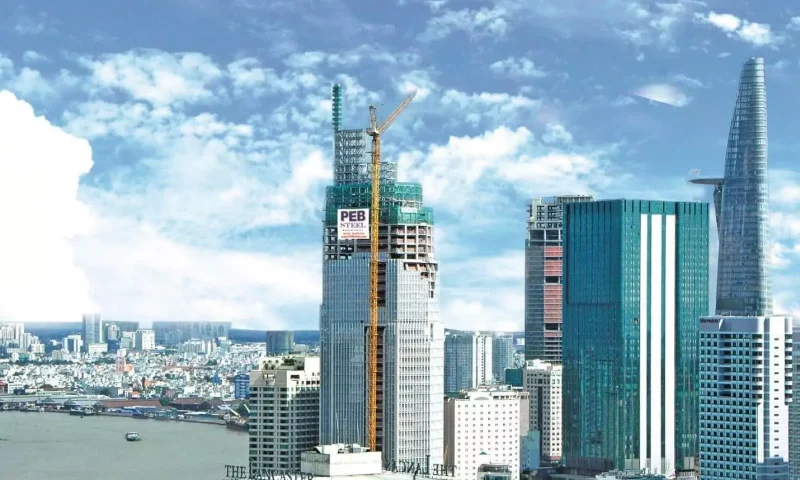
635 285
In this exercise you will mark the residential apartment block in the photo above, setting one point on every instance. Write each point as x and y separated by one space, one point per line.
284 411
485 426
467 361
745 391
542 381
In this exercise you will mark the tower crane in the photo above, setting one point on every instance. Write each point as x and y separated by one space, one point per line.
375 131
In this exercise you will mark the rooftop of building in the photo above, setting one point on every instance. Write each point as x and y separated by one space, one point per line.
541 365
288 362
486 392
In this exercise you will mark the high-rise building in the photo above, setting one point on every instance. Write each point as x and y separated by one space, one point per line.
145 339
467 361
175 332
542 381
112 332
241 386
485 423
635 286
745 392
502 356
280 342
741 201
543 281
92 330
72 344
794 411
411 337
284 412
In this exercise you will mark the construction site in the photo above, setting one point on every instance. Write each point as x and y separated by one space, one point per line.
382 342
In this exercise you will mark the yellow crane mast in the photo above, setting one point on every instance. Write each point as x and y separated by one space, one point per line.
375 132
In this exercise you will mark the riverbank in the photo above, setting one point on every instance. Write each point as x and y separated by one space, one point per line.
190 419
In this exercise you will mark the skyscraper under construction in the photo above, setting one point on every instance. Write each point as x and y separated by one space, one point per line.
411 337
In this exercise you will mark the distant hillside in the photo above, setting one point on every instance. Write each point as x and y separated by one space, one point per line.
53 330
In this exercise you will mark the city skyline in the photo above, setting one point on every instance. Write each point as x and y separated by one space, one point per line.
200 198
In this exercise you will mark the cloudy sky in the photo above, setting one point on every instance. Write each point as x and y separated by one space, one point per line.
168 160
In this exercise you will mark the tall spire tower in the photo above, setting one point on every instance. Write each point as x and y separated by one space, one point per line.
741 201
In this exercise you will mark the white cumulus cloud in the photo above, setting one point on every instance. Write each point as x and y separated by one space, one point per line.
663 93
40 169
757 34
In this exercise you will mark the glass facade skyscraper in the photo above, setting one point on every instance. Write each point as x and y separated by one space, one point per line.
741 202
635 285
411 337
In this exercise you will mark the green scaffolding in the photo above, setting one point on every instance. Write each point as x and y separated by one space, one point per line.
394 199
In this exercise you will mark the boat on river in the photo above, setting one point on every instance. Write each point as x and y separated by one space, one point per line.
132 437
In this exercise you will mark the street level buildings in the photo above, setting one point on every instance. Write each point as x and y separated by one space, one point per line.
411 337
745 392
542 381
280 342
485 425
543 280
284 411
636 283
467 361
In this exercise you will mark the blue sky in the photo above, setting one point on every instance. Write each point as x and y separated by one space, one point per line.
179 169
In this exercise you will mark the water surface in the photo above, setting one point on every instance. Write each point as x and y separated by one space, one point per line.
57 446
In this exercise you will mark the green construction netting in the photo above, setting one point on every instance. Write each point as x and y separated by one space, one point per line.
398 201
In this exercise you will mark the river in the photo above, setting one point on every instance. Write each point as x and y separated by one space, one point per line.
57 446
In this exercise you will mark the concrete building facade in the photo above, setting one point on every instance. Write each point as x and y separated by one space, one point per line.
543 279
636 283
542 381
411 336
467 361
746 371
485 423
145 339
284 411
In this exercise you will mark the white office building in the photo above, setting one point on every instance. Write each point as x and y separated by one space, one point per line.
467 361
284 411
542 381
145 339
745 393
487 422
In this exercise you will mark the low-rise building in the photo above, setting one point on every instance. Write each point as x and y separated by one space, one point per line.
485 421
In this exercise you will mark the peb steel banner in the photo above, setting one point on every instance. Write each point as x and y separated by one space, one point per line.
353 223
